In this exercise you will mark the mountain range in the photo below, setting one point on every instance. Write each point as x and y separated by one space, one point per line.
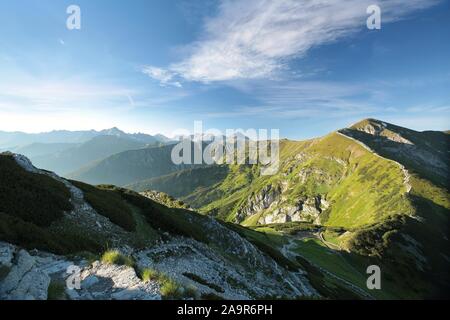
370 194
66 151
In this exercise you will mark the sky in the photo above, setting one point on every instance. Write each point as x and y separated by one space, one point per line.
305 67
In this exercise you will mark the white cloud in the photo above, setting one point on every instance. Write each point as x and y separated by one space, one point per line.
165 77
257 38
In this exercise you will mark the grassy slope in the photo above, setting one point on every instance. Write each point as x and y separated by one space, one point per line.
368 199
333 166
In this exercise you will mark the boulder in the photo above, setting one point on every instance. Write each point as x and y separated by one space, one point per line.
24 264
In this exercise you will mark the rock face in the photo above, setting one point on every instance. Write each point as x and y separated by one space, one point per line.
270 202
267 197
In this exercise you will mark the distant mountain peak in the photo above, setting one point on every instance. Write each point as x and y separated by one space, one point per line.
369 122
113 132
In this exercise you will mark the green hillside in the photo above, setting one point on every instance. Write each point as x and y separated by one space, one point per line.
42 211
381 186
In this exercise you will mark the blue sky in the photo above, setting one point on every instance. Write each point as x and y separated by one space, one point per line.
304 67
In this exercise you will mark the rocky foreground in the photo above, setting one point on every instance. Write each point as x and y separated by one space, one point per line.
30 275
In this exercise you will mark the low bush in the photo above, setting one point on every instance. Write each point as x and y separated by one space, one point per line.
30 236
108 203
32 197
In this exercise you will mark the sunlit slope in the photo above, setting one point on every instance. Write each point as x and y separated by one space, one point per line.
358 186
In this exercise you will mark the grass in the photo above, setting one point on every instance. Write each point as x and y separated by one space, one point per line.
144 232
169 288
149 275
117 258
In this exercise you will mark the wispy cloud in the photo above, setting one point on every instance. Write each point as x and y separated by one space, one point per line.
256 39
165 77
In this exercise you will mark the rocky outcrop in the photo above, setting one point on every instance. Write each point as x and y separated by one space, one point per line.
268 196
28 276
307 210
269 201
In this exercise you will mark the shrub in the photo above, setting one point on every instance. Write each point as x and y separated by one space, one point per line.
30 236
32 197
176 221
115 257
